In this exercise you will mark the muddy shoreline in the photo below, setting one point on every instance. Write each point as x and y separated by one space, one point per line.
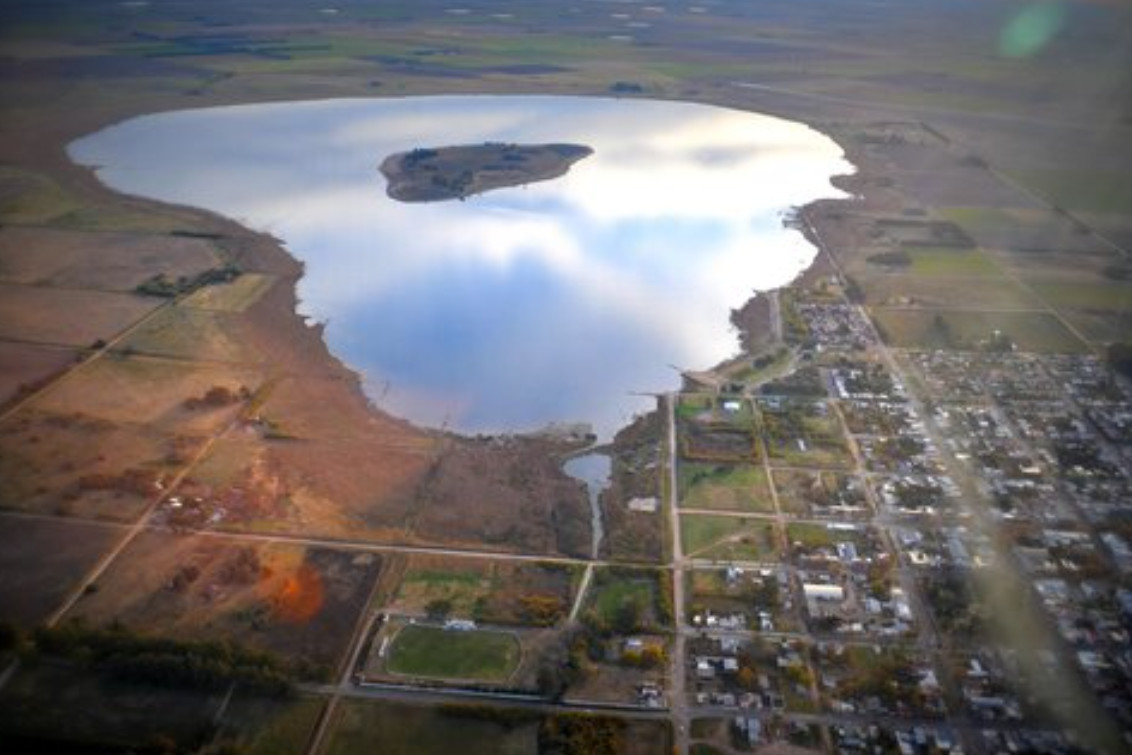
424 477
259 251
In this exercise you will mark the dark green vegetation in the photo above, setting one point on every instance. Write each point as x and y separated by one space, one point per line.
629 600
432 175
161 285
54 706
127 656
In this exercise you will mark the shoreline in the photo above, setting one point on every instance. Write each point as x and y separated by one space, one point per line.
364 472
259 251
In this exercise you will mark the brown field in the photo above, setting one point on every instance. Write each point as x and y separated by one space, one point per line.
68 317
102 261
494 592
24 366
78 465
149 391
41 561
521 497
960 186
632 535
295 601
613 683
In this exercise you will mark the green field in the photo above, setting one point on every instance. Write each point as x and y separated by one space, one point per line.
1085 190
270 726
958 262
968 330
613 589
463 590
1110 296
722 537
738 487
365 727
443 654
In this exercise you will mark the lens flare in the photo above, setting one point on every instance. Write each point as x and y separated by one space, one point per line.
1032 29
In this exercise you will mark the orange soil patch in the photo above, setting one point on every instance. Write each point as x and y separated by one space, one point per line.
302 603
299 597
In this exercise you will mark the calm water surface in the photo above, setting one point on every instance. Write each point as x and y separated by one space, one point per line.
551 302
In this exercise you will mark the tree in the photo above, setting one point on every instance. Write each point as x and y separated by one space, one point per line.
542 610
747 678
9 636
627 616
653 656
1120 358
438 609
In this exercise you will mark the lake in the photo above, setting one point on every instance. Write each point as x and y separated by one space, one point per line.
559 301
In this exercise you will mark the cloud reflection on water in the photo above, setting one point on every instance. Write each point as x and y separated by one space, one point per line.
519 307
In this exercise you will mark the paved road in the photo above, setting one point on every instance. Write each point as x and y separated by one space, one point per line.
678 700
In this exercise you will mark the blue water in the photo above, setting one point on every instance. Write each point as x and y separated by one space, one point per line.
553 302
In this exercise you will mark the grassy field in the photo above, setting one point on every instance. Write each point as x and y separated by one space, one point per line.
907 290
611 596
365 727
1106 296
497 592
270 726
234 296
150 391
805 434
812 535
33 198
1089 191
812 492
966 330
719 537
734 487
957 262
463 589
444 654
186 333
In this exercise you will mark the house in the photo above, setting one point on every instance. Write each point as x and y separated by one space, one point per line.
460 625
644 505
818 593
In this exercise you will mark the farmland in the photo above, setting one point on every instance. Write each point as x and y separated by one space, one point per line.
984 233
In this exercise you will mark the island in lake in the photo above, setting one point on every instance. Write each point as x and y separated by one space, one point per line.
432 175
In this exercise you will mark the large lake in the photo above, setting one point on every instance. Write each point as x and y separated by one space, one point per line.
557 301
